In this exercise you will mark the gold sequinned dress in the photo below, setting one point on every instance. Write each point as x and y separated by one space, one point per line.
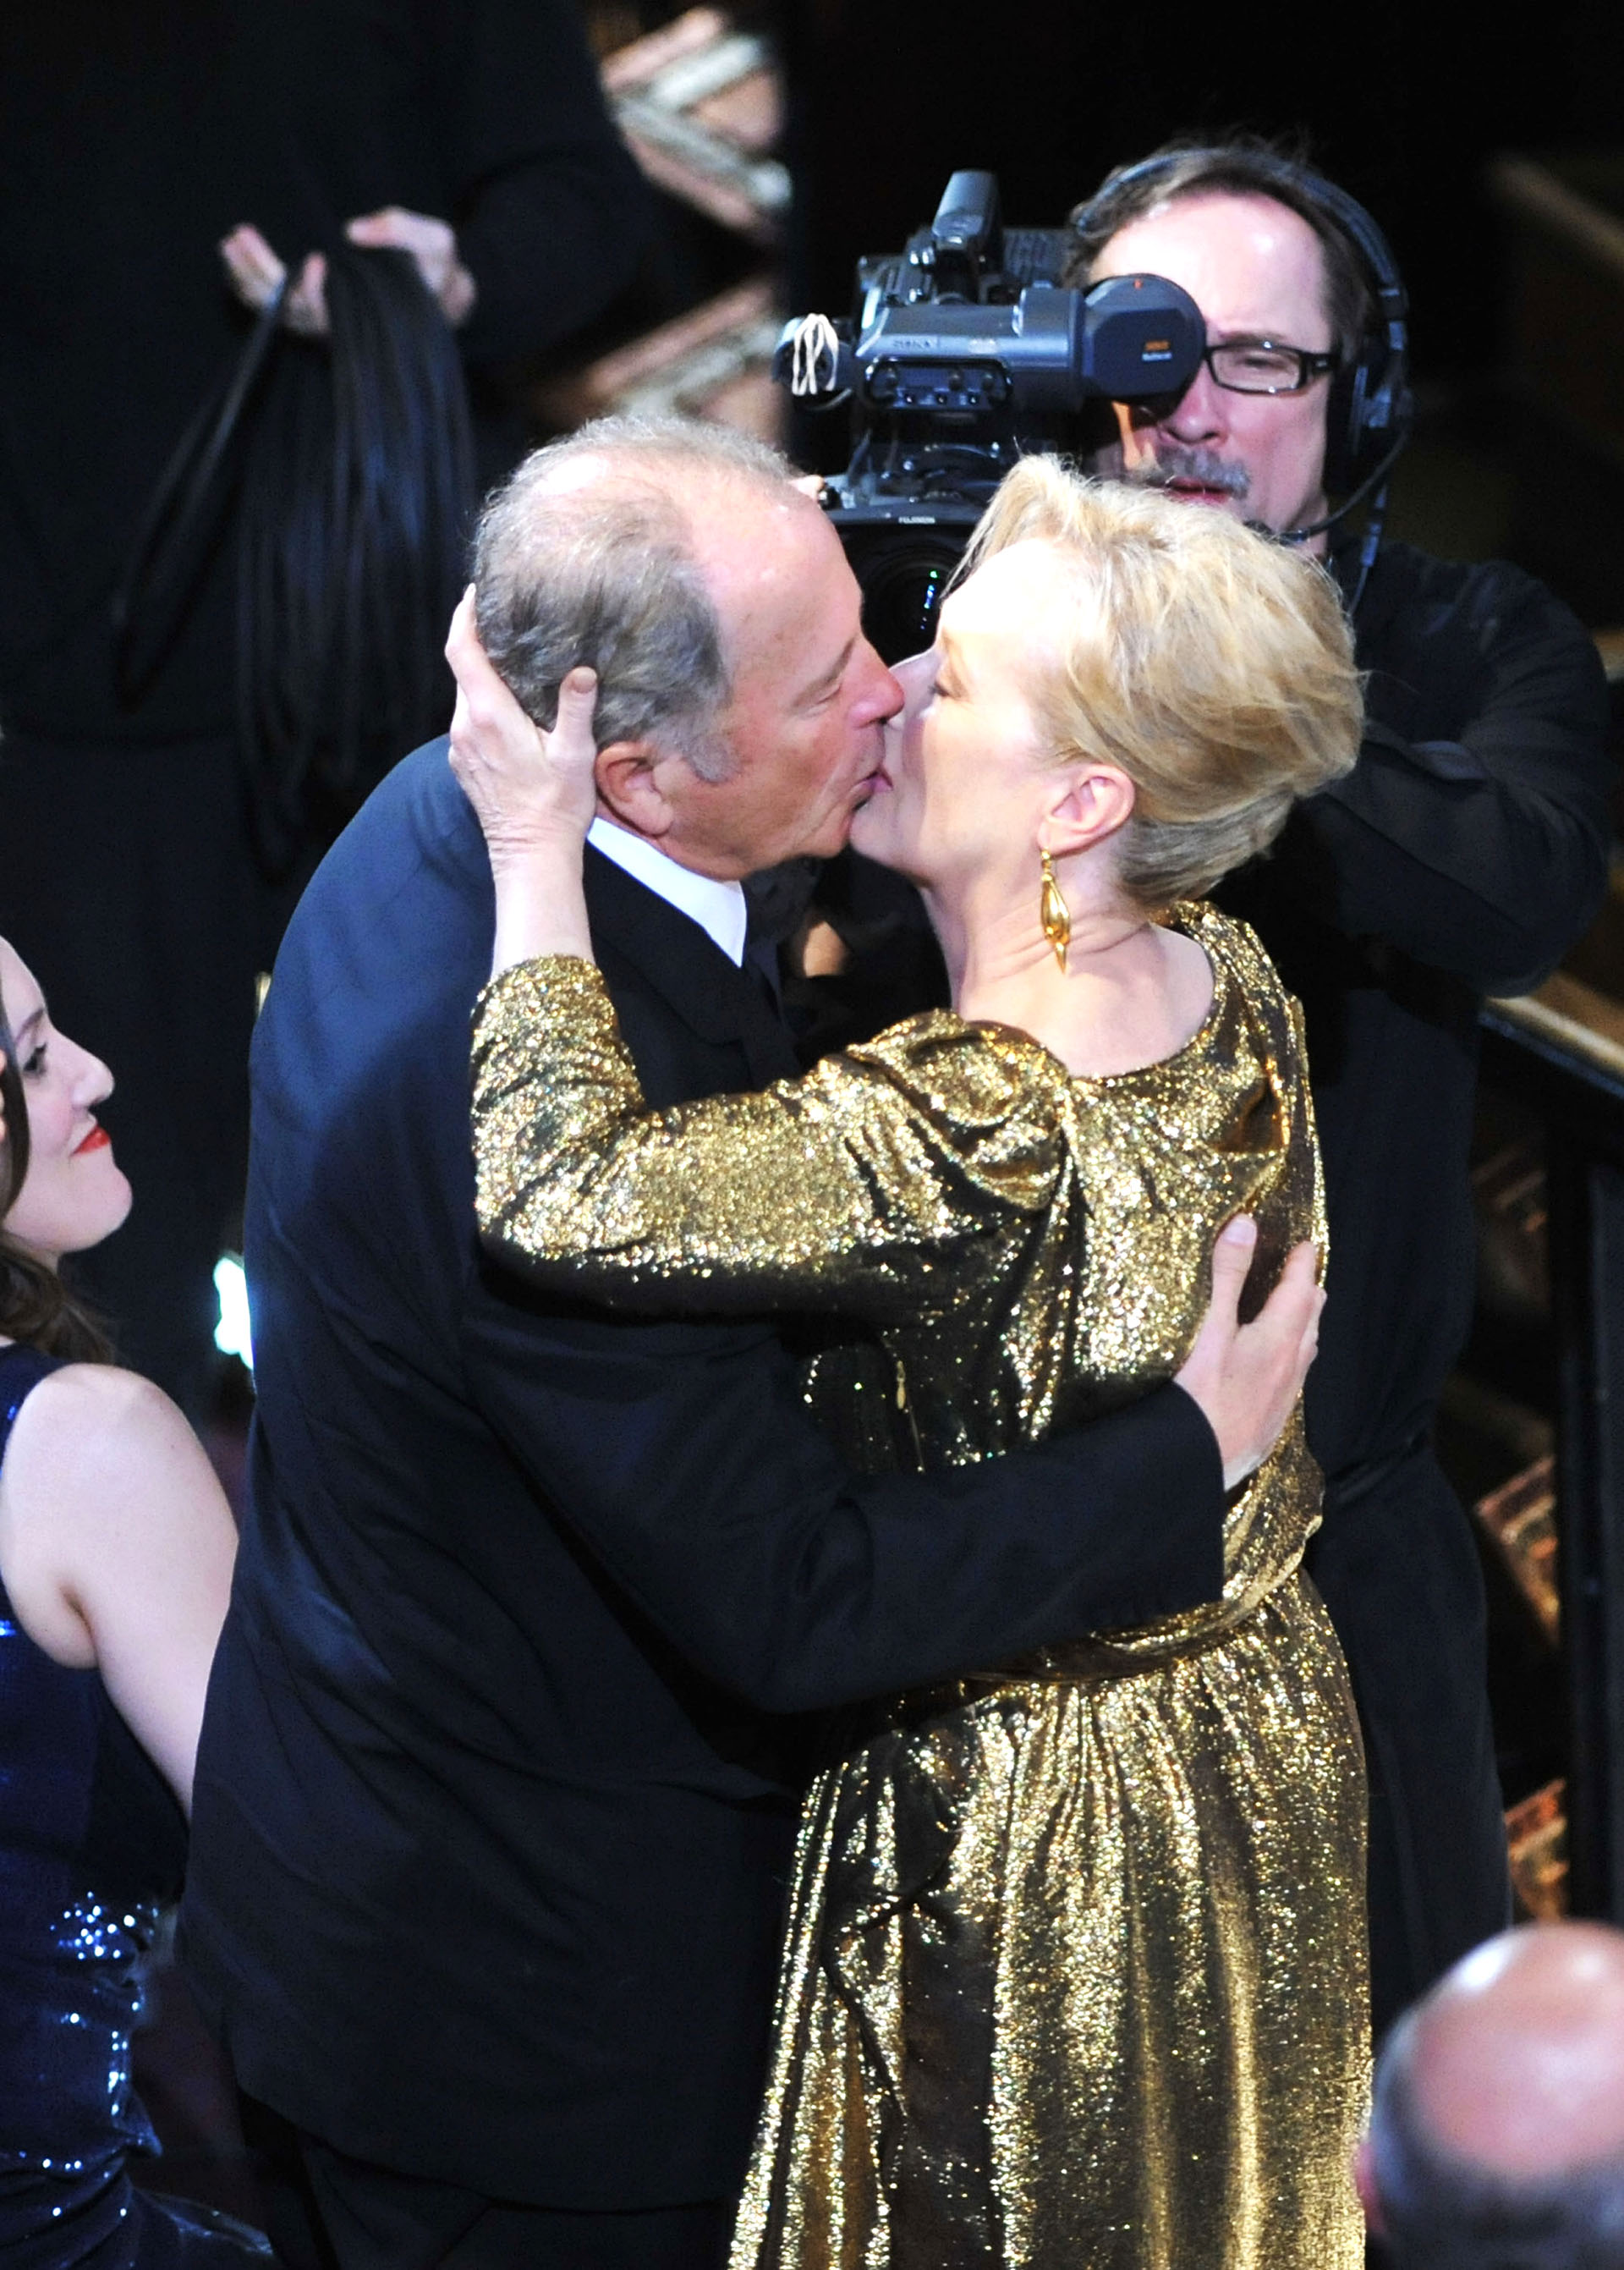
1075 1972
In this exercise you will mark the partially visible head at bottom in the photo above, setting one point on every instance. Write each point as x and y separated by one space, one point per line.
1497 2133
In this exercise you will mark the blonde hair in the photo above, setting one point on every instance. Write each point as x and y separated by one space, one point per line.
1212 666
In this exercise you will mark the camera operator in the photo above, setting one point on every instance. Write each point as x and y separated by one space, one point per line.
1461 857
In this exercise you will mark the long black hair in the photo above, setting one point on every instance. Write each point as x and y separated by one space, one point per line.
357 497
35 1305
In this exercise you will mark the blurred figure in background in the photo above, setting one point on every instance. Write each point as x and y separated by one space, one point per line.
164 160
1497 2139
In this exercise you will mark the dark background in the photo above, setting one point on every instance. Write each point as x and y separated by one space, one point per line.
1403 106
1517 340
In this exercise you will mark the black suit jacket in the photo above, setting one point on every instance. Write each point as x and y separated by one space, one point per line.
493 1804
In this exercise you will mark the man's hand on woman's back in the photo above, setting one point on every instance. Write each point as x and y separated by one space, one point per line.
1245 1378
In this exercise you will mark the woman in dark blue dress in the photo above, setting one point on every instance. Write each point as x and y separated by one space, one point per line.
115 1550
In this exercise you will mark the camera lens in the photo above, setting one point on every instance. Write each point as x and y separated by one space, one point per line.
903 582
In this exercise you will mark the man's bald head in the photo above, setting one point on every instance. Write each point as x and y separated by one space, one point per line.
594 551
1497 2138
1518 2059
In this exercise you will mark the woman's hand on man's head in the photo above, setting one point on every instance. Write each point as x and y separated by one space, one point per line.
534 793
531 790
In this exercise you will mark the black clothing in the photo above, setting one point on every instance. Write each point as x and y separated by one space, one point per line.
1396 1566
491 1825
329 2212
1464 854
134 135
92 1841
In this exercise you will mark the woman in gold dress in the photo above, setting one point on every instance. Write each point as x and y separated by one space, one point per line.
1074 1975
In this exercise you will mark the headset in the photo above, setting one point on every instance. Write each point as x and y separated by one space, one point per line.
1371 409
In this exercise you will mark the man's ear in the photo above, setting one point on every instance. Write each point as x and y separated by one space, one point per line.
629 775
1090 802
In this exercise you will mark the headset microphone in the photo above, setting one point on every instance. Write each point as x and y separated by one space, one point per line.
1349 504
1376 519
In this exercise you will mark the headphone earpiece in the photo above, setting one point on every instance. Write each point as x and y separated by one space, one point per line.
1347 423
1371 405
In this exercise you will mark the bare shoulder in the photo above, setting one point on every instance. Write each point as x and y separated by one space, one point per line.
95 1422
1188 962
116 1545
91 1452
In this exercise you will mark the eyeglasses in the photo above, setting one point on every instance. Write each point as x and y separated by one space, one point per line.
1263 366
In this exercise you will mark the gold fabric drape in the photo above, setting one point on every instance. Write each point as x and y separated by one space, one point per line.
1075 1972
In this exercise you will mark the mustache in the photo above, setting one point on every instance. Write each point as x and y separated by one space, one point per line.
1177 461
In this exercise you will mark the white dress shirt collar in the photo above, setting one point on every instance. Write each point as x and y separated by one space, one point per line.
718 908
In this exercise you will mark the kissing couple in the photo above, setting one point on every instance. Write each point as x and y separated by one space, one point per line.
864 1437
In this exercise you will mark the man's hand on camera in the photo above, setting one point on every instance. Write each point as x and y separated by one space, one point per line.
1246 1378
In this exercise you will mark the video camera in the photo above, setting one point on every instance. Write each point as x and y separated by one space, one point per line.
964 352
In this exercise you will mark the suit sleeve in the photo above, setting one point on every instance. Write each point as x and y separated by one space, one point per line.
1483 850
685 1458
848 1189
550 208
685 1454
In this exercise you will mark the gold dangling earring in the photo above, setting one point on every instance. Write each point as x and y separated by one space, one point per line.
1053 912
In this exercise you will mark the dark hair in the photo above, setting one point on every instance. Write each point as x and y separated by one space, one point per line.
1240 165
1442 2212
358 490
35 1305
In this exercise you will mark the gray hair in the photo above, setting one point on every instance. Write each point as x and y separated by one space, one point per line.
1444 2211
604 571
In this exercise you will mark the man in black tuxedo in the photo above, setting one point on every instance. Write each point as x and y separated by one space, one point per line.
498 1779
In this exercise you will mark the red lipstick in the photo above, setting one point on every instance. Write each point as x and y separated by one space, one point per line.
97 1139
